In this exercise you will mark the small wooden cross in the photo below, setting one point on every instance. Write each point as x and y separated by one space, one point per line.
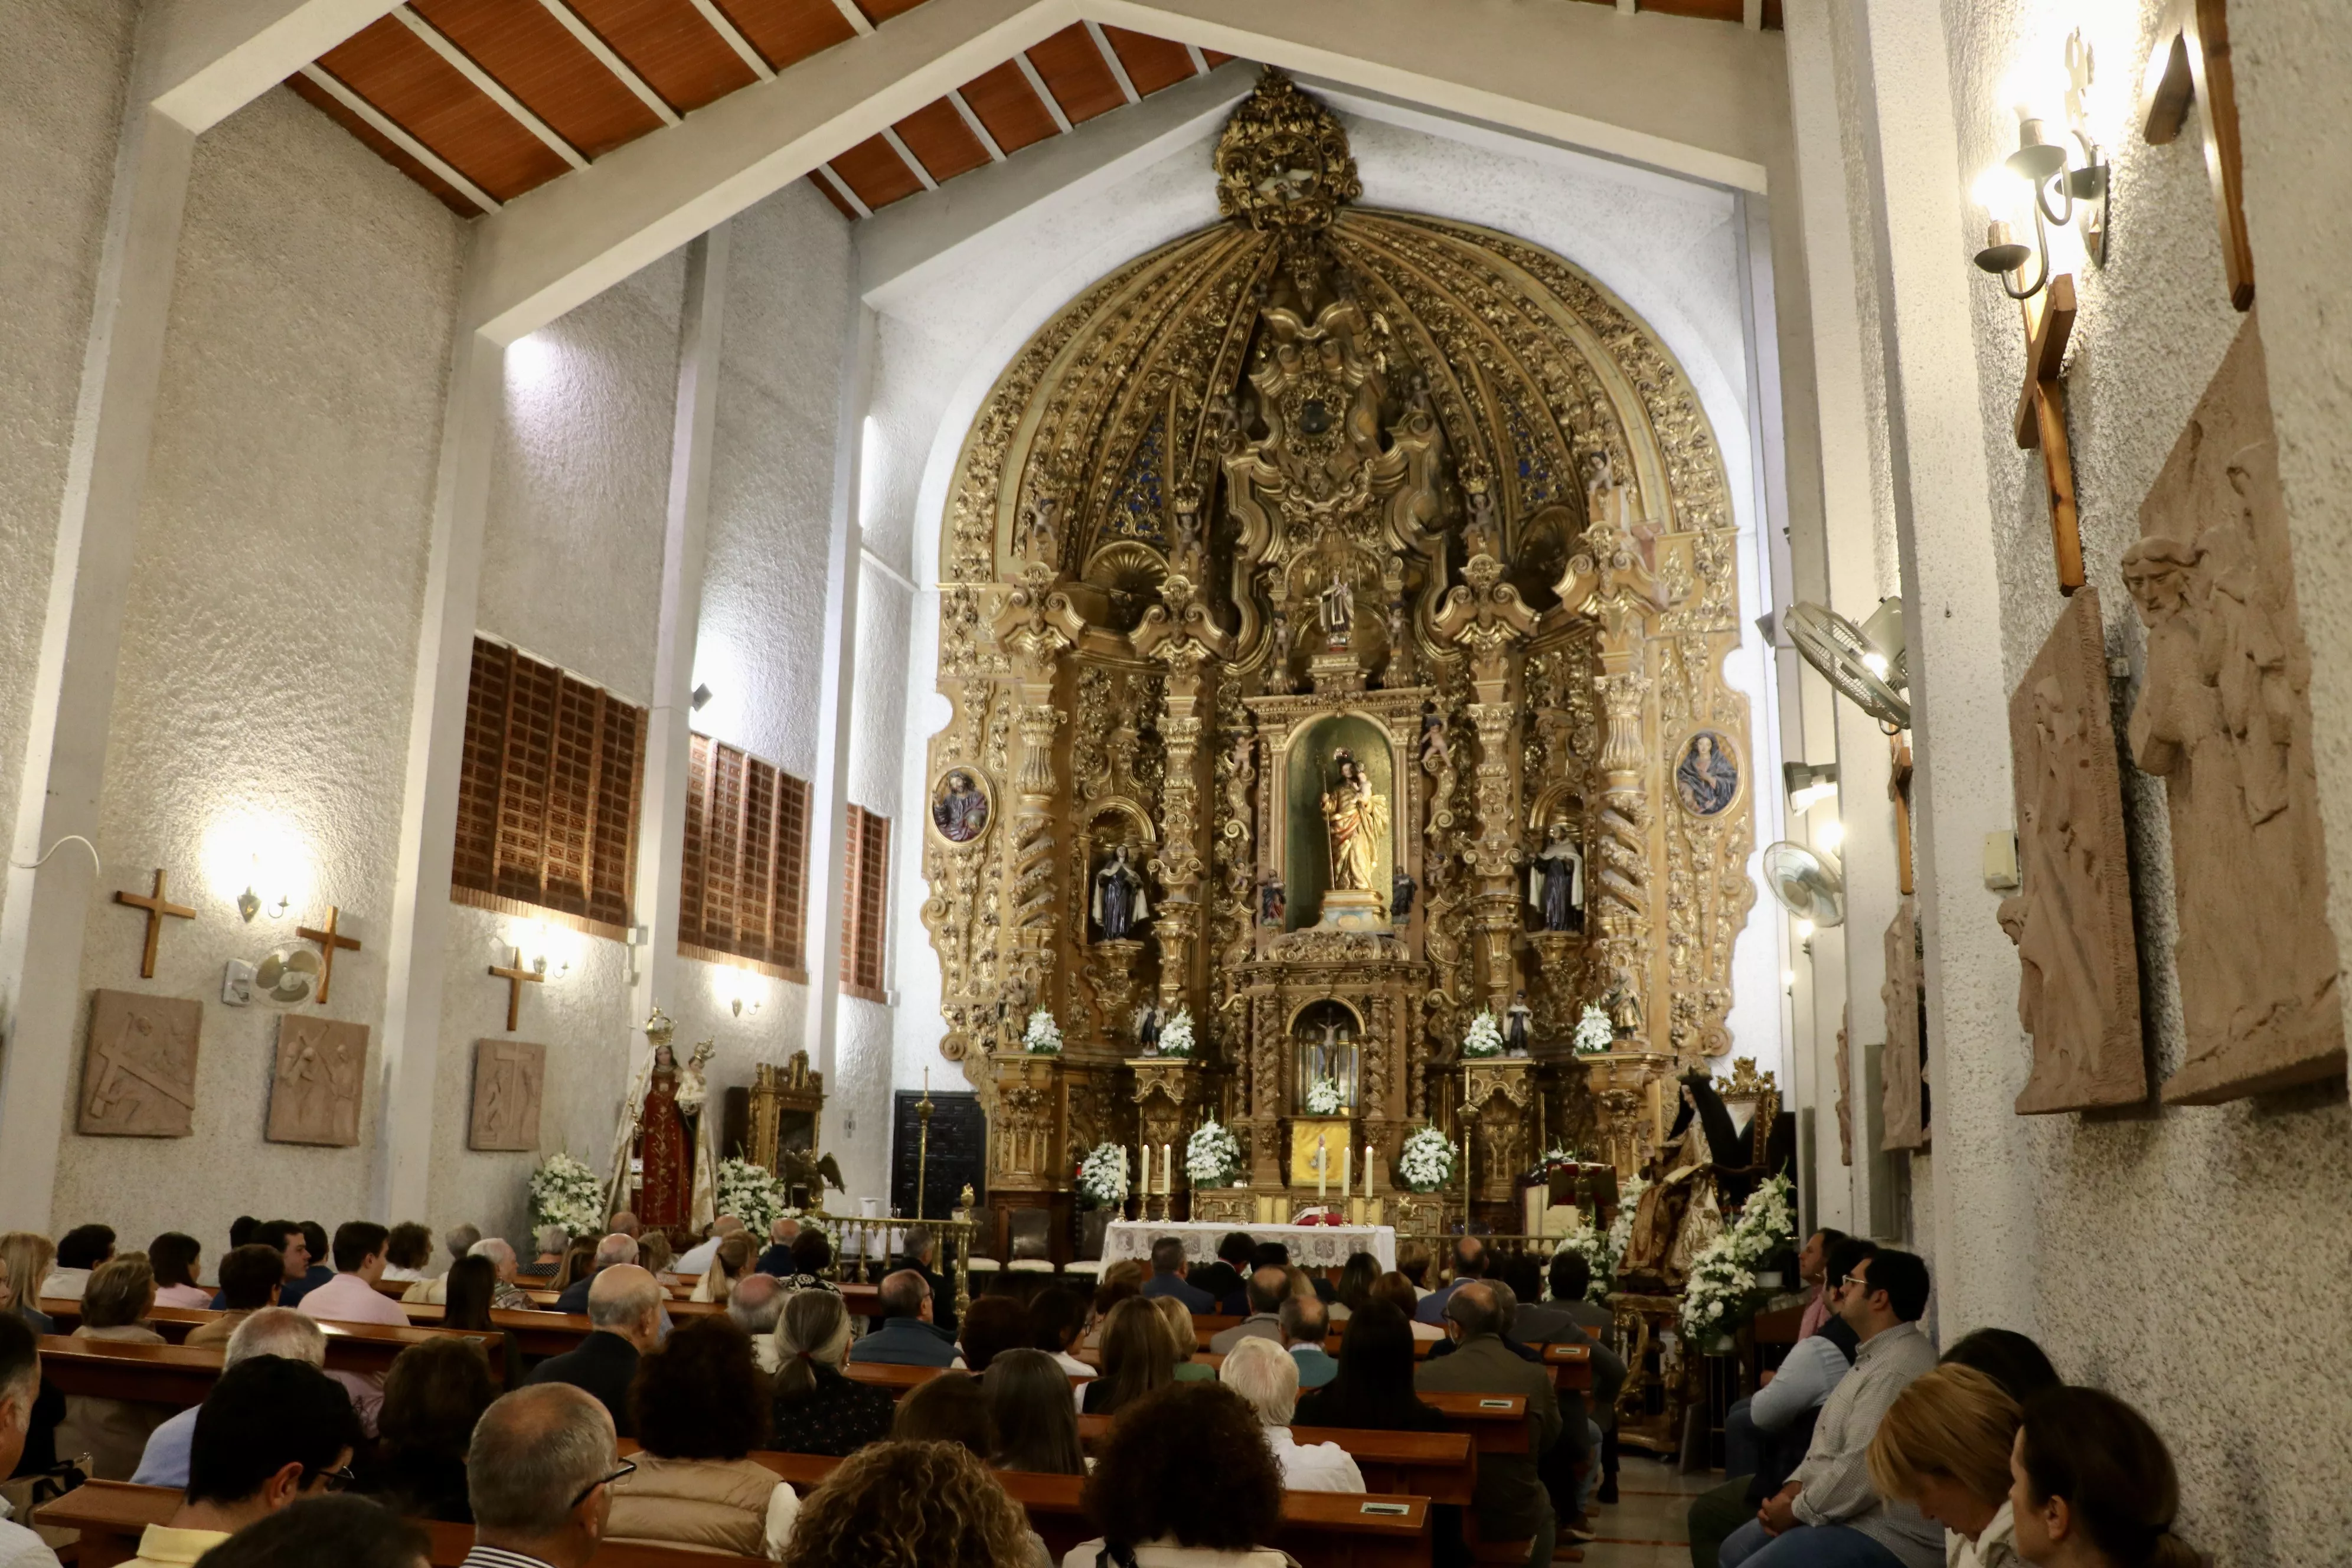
1898 790
2041 419
157 908
328 940
517 977
2191 59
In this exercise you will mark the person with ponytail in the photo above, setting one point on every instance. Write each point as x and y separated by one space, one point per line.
817 1409
2091 1486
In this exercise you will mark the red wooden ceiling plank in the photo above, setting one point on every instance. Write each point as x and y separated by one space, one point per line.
788 31
1005 103
1706 10
880 11
1214 58
822 184
431 100
936 134
532 55
1151 63
383 146
667 42
876 172
1075 71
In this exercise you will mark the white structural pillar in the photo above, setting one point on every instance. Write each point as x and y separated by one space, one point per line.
1961 790
417 950
82 634
661 832
829 790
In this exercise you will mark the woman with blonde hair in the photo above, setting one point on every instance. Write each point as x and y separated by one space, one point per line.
1186 1340
1137 1358
1943 1446
27 1255
115 1432
730 1263
912 1505
818 1410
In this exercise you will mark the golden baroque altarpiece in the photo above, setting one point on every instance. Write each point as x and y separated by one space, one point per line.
1333 609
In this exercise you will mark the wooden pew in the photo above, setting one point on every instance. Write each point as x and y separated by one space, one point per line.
111 1516
1571 1366
1322 1530
183 1375
1440 1466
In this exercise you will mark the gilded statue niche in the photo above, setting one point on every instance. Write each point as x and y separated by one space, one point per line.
1323 480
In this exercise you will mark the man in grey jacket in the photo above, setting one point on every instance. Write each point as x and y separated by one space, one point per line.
1510 1502
1829 1515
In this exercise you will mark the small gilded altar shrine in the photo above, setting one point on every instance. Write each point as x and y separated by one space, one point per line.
1333 609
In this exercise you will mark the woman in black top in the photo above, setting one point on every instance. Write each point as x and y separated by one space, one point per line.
1374 1389
817 1410
473 1284
433 1395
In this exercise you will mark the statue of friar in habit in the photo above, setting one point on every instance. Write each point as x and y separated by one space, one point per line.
1555 883
1119 898
1337 611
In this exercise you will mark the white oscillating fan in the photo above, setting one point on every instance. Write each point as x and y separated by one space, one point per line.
1808 886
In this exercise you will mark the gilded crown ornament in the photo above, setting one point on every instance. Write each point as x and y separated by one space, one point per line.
1283 161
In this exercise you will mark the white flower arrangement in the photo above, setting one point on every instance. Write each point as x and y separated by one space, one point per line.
1102 1176
1723 1276
1425 1163
1484 1039
1043 1037
1176 1035
1213 1156
1594 1032
1323 1098
565 1192
751 1193
1604 1250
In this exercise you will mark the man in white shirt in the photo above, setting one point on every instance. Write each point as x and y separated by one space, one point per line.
351 1297
273 1330
697 1259
1263 1373
80 1252
20 1384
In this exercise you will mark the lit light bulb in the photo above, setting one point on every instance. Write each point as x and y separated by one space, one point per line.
1787 979
1876 663
1829 833
1804 931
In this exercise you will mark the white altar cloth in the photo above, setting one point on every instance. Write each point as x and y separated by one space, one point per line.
1311 1246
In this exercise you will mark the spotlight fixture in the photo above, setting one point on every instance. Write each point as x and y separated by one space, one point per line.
701 695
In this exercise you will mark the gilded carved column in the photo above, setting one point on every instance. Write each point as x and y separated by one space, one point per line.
1486 618
1610 581
1178 634
1036 628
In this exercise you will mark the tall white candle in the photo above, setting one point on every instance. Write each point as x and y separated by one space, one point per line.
1322 1168
1143 1187
1367 1170
1346 1169
1167 1168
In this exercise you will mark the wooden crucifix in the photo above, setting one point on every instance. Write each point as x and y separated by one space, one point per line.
328 940
517 977
157 907
2041 418
2191 59
1898 790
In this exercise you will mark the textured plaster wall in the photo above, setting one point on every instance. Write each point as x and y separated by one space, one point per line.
761 642
262 698
2115 1206
60 106
1670 249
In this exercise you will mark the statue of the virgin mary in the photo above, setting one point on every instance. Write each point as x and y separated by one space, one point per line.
665 1130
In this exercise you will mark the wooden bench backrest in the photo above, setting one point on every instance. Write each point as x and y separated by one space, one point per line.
183 1375
1440 1466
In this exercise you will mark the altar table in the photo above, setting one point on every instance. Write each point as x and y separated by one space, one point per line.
1311 1246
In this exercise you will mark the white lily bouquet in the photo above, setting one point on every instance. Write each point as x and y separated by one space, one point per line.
751 1193
1594 1032
1484 1039
1102 1176
1723 1276
1176 1035
1213 1157
1425 1163
1323 1098
566 1193
1043 1037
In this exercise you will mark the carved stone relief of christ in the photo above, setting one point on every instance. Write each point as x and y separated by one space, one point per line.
2078 981
139 1077
2223 714
314 1095
509 1078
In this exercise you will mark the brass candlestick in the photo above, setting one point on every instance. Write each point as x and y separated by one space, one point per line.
923 1145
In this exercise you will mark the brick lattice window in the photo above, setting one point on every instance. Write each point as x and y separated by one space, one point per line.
744 877
865 903
547 793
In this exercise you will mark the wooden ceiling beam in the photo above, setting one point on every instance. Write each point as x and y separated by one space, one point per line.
907 156
1110 59
1044 94
1200 61
841 189
491 87
995 154
200 61
384 126
735 40
861 24
621 69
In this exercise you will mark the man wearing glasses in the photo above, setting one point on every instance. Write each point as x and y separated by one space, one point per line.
272 1430
540 1475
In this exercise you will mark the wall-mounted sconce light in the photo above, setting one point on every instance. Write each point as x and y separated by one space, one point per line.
541 951
250 902
2063 191
1830 834
743 989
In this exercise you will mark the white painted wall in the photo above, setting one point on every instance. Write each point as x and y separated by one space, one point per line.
270 631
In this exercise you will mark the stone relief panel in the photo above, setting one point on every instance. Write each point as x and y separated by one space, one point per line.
139 1076
2223 714
1902 1073
314 1095
509 1076
2078 986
